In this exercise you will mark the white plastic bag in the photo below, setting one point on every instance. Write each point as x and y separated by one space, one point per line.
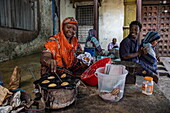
86 58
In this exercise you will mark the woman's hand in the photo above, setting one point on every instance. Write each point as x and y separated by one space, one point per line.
101 53
142 50
47 60
83 65
52 64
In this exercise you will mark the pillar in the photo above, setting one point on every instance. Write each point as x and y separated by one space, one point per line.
130 15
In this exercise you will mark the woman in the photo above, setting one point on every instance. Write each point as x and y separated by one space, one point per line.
91 41
61 49
149 60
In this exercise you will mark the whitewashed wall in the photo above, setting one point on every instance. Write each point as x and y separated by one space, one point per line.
111 20
66 9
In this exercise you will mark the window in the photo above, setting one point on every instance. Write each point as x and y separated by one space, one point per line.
84 16
18 14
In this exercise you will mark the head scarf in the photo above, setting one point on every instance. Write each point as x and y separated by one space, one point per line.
61 49
150 37
69 20
91 33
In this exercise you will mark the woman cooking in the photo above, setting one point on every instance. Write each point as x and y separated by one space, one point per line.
61 49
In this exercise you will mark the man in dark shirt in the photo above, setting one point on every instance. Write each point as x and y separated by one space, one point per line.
130 49
129 46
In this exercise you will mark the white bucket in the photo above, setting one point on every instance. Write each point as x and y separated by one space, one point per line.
111 86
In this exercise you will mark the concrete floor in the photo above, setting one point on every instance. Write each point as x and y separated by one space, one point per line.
164 86
164 82
25 63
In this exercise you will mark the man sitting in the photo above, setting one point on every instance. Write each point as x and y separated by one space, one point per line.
113 48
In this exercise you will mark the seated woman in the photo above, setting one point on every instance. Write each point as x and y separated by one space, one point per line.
149 61
91 41
61 50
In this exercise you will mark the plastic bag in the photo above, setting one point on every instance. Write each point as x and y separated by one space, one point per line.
3 94
15 79
16 101
86 58
5 109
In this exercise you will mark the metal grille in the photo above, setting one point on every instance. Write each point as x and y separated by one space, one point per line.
19 14
84 17
157 18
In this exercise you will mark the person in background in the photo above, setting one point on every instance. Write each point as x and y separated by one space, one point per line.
113 48
112 45
130 47
149 61
61 49
91 41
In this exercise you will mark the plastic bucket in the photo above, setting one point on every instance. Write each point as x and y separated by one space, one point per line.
88 75
111 86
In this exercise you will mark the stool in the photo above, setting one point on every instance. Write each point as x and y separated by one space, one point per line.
91 50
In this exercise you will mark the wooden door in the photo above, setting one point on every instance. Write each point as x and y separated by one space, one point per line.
157 18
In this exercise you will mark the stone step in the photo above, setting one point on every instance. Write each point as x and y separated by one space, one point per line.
164 66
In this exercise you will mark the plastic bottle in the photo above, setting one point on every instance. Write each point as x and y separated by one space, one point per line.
147 85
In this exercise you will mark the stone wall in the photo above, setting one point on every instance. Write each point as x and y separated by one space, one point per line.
16 43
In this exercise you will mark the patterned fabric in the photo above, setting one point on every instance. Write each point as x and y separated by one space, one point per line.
149 61
61 50
92 41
